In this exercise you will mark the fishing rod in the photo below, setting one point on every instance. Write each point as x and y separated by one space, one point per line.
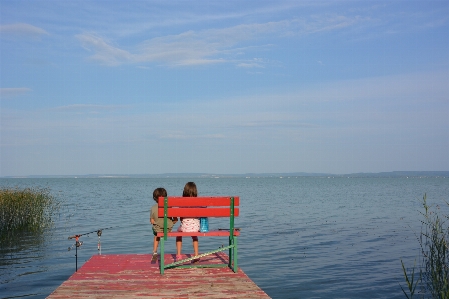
78 243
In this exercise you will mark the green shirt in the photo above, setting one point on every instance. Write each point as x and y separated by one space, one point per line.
158 225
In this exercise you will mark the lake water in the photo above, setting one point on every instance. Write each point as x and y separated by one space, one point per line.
302 237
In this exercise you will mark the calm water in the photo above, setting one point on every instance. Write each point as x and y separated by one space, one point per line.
302 237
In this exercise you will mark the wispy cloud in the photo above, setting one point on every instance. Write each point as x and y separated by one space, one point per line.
189 48
22 30
105 53
13 92
210 46
89 107
255 63
143 17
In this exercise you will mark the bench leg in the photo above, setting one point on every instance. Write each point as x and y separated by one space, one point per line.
235 268
162 262
230 252
233 254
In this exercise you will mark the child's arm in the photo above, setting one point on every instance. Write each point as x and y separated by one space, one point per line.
153 215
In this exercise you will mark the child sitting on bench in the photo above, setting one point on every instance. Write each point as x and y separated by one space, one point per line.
188 224
158 223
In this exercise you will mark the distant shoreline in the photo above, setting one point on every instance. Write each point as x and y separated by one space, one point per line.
391 174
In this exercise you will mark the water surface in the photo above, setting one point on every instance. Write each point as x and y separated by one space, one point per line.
302 237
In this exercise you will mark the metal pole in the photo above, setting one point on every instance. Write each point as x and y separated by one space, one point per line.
76 257
99 241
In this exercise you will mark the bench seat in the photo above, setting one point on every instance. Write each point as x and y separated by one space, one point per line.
213 233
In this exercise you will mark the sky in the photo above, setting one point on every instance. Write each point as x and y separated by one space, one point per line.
224 87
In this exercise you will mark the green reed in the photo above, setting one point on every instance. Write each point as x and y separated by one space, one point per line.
25 210
434 268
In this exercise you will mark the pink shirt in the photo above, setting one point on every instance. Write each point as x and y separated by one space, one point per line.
189 225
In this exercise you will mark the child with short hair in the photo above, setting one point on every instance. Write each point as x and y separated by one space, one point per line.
158 222
188 224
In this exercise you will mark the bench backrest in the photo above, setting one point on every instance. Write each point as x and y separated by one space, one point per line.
195 207
176 206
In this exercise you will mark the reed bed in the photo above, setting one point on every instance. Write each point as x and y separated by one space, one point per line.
433 279
25 210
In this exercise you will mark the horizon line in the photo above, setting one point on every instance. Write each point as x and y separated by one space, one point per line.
264 174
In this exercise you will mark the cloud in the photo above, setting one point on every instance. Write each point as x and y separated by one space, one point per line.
188 48
255 63
210 46
104 52
332 22
22 30
13 92
89 107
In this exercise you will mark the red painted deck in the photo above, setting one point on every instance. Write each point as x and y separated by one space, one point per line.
136 276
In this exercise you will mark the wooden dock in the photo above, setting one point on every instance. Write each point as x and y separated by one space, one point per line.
136 276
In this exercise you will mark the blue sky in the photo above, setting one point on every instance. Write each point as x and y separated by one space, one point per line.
147 87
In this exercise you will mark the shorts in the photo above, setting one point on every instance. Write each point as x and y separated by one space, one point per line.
160 230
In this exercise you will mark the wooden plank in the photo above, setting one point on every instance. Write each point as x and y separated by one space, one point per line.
213 233
136 276
198 212
178 201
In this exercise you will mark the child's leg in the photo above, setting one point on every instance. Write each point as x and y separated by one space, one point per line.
195 245
178 245
156 243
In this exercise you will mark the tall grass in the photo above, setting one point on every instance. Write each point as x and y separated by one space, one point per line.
25 210
434 268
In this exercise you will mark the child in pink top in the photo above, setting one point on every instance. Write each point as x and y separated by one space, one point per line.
188 224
